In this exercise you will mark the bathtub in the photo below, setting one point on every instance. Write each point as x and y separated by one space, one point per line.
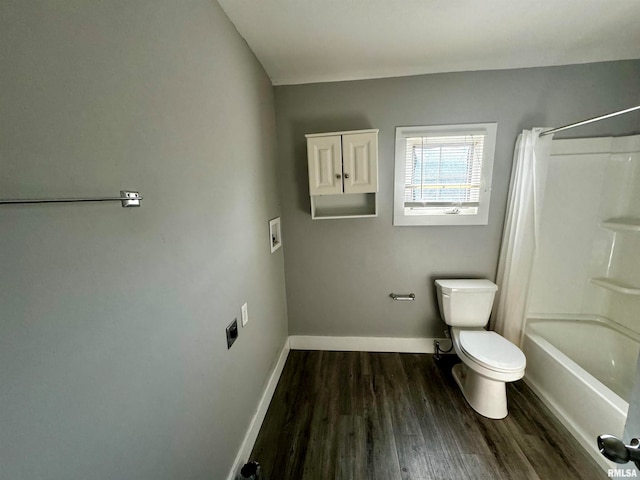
583 369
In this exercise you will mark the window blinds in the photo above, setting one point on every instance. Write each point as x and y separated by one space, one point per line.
443 170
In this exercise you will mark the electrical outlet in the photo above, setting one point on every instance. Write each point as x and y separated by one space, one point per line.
245 314
232 333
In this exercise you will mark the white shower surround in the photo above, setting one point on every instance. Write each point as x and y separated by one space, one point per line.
589 182
581 338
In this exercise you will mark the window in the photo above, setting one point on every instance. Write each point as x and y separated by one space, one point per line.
443 174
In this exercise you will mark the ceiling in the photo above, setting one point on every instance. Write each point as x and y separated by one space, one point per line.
307 41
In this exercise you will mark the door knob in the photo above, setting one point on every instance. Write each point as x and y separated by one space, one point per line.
616 451
346 175
337 175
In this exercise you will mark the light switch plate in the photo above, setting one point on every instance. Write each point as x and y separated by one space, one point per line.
245 314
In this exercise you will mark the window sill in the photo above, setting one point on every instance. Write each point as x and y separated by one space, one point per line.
402 220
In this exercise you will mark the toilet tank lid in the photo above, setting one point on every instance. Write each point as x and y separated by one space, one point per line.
466 285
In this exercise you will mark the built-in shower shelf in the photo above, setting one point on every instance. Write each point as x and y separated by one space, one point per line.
616 286
623 224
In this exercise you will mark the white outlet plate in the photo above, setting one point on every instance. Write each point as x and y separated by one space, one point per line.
245 314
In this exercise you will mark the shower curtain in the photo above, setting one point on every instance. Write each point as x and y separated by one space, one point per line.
521 232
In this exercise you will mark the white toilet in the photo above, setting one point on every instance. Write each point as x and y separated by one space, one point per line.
488 360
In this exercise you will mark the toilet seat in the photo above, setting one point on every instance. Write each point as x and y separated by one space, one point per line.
491 350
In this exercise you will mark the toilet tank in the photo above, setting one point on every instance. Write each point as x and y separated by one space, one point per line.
465 302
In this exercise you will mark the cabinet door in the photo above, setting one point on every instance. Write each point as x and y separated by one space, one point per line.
360 162
325 165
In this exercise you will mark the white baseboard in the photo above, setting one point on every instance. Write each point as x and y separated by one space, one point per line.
366 344
256 422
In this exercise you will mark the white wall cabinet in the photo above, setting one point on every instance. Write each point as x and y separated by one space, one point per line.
343 174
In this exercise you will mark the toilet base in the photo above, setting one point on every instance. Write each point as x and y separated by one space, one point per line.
487 397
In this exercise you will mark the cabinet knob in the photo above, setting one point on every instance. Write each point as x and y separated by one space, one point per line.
338 175
346 175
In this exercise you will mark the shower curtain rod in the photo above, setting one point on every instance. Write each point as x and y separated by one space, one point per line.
584 122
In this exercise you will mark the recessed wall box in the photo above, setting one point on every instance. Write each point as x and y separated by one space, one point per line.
232 332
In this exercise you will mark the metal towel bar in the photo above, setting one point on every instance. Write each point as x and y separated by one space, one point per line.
128 199
405 297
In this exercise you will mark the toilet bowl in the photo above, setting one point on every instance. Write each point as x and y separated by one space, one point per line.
488 359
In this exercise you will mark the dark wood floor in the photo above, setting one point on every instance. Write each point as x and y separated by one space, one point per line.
387 416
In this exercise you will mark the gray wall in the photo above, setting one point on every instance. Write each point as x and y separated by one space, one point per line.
339 273
113 356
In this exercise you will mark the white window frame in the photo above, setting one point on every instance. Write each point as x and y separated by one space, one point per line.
481 217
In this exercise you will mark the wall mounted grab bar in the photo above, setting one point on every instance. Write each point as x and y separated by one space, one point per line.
405 297
128 199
